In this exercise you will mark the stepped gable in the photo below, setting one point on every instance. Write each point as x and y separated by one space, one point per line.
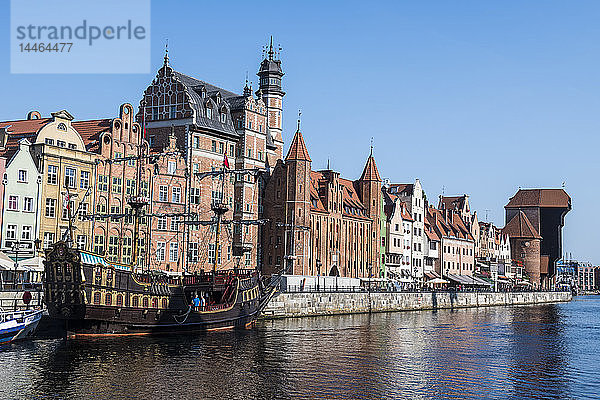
298 149
316 203
521 227
540 198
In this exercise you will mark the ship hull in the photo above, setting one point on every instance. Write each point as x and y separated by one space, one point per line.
96 298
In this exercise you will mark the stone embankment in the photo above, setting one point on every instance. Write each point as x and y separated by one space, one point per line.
301 304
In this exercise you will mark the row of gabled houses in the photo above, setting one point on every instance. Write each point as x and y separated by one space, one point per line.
426 242
64 178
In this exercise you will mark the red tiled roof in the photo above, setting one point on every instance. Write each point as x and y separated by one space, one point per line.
90 131
520 227
540 198
297 149
405 213
452 202
17 130
370 172
402 187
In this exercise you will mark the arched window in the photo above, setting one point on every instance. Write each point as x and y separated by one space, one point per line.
120 300
108 299
62 127
164 303
135 301
154 303
145 302
96 297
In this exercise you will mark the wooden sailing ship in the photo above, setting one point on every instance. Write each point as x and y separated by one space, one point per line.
94 296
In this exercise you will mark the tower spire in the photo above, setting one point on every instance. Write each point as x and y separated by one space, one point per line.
166 63
271 52
371 155
299 114
247 88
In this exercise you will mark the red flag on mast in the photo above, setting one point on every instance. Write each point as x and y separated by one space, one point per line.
225 160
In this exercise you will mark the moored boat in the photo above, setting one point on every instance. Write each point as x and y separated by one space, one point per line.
95 297
18 325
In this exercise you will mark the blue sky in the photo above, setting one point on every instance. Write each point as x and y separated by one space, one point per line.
476 97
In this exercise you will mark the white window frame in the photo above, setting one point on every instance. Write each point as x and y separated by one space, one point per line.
23 178
161 248
13 202
71 177
28 201
176 195
84 179
11 231
173 251
163 193
26 229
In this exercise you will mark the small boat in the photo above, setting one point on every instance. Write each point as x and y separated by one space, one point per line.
18 325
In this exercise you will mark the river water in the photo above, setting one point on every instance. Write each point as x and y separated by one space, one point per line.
541 352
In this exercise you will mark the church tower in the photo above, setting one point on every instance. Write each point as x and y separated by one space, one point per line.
369 188
270 75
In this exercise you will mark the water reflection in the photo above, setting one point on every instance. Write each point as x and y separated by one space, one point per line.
518 352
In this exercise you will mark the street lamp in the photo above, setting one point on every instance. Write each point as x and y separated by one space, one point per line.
318 272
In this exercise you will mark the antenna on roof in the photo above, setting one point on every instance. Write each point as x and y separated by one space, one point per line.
328 169
299 114
563 184
486 214
279 48
443 190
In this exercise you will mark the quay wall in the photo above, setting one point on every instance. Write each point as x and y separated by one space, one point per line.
298 304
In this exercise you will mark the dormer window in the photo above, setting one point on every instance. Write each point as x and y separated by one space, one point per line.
62 127
218 98
223 117
208 112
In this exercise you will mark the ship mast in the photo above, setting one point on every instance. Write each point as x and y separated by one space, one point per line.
219 209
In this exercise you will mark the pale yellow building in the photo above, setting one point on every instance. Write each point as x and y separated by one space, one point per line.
66 168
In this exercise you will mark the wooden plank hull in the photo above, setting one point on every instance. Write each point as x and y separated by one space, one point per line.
102 299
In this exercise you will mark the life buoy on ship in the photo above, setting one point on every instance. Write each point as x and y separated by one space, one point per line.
27 297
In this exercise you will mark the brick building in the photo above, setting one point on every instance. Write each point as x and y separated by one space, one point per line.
321 223
534 221
210 123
